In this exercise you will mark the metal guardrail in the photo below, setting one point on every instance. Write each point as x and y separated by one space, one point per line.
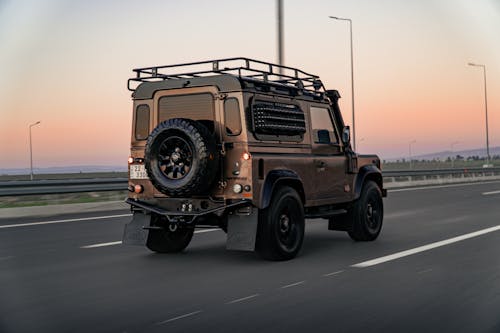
40 187
440 172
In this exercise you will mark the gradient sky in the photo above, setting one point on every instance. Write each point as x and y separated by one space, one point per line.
66 64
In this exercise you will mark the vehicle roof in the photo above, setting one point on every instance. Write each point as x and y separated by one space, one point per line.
224 83
230 74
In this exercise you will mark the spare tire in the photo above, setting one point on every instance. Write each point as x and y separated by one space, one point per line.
181 157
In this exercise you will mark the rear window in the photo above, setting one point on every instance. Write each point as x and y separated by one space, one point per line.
142 122
192 106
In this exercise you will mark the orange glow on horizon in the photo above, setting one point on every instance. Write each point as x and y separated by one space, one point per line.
68 69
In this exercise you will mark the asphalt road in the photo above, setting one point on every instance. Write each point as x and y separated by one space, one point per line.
72 275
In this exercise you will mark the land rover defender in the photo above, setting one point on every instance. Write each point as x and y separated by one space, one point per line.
250 147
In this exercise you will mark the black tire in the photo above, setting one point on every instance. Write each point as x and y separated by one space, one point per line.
367 214
181 157
167 240
281 226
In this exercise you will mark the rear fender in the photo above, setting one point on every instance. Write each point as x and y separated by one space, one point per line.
277 178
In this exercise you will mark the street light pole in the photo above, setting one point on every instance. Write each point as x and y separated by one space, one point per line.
279 19
409 150
352 78
486 110
31 151
452 159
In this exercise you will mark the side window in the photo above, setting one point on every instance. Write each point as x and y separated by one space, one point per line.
232 118
322 126
142 122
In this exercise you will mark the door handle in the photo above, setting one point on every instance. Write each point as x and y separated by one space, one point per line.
320 164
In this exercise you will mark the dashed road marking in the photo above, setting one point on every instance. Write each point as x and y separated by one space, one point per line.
100 245
439 186
63 221
179 317
238 300
293 284
423 248
206 230
333 273
491 193
92 246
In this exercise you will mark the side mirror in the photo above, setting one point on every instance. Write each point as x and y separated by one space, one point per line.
346 135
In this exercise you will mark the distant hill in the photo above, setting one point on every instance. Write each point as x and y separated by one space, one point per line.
69 169
443 155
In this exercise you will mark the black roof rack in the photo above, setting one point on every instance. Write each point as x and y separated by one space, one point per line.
245 68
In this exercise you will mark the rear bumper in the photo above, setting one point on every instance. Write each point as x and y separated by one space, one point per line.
188 217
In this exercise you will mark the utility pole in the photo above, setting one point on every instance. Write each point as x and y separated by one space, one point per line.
452 153
488 159
409 150
352 78
31 151
279 19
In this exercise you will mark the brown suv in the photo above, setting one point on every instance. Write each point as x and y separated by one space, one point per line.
247 146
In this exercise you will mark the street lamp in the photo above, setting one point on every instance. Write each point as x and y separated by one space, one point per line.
409 150
451 146
352 79
31 151
279 19
485 109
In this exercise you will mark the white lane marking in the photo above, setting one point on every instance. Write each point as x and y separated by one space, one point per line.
438 186
293 284
332 273
242 299
91 246
424 248
490 193
63 221
100 245
425 271
179 317
206 230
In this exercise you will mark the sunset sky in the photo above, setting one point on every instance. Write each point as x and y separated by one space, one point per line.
66 63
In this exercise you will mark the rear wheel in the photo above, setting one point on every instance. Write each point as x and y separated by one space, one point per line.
169 239
281 226
367 214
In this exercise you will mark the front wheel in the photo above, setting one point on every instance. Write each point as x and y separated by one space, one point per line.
367 214
281 226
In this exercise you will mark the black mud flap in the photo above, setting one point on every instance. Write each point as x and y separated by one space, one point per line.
134 233
242 231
